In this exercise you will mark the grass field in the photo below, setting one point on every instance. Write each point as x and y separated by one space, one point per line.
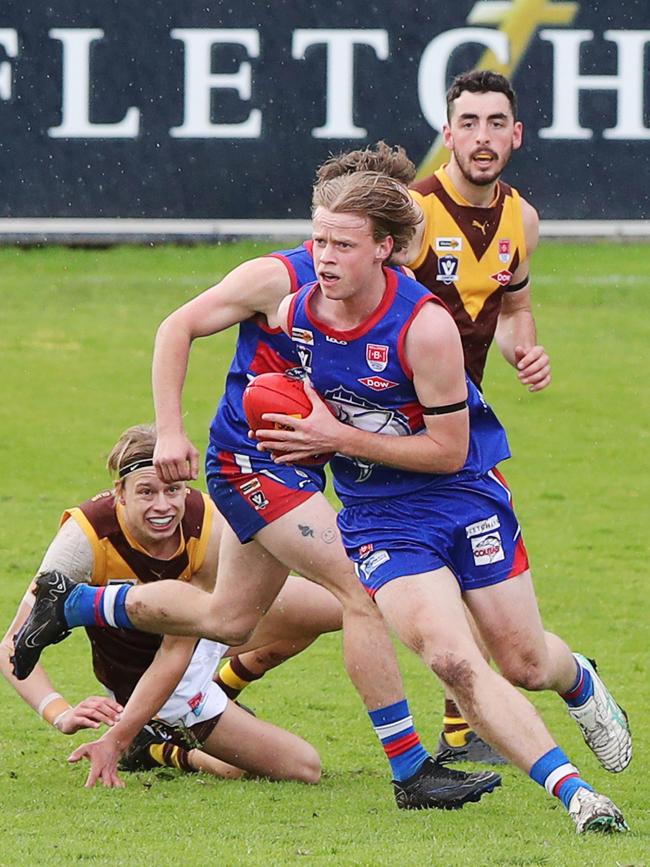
75 347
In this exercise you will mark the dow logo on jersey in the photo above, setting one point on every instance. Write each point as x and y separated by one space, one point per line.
447 270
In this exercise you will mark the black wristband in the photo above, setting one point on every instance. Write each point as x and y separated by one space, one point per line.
443 410
515 287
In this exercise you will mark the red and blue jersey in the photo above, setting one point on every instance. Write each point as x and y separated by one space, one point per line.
260 349
365 377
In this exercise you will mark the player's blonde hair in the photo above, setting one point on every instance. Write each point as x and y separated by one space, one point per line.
137 443
380 157
385 201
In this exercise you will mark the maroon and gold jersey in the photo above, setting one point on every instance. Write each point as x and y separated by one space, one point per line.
121 656
468 257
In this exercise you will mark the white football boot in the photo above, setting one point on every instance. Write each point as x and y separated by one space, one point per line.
603 723
594 812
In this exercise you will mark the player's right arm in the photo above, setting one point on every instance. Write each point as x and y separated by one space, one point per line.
70 553
150 694
254 287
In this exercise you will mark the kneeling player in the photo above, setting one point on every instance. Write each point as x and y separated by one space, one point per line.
144 531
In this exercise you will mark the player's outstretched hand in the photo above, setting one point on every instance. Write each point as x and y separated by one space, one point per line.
90 714
299 438
103 756
175 458
533 367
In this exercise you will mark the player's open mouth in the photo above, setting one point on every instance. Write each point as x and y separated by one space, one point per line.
327 278
161 523
484 158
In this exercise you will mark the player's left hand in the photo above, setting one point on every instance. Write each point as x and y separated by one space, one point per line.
103 755
90 714
300 438
533 367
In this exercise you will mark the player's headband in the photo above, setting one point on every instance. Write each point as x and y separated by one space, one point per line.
135 465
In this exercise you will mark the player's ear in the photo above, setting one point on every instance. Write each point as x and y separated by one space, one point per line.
447 137
517 135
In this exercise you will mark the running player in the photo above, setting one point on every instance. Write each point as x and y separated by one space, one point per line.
278 520
426 517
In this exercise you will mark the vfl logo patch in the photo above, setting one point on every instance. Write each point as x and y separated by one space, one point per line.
303 335
377 356
487 549
305 357
377 383
502 277
447 270
455 244
259 501
504 250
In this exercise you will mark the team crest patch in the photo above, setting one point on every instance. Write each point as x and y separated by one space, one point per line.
504 250
303 335
447 270
446 244
377 383
502 277
487 549
377 356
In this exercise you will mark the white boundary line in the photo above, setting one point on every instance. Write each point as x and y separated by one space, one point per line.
110 230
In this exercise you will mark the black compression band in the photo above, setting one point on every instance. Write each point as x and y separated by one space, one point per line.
515 287
443 410
135 465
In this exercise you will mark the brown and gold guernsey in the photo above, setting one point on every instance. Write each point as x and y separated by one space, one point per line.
121 656
468 257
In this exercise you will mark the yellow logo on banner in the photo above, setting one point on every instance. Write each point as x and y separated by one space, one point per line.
519 20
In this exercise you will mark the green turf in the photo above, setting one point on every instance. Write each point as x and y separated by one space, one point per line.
75 347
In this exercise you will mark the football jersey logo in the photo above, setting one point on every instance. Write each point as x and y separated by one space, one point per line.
377 356
504 250
305 356
454 244
503 277
377 383
447 270
303 335
487 549
259 501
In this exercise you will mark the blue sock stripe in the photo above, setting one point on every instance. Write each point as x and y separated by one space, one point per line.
392 724
389 714
122 619
554 768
